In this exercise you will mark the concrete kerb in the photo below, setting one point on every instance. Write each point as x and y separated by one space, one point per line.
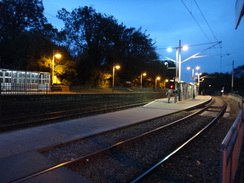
121 128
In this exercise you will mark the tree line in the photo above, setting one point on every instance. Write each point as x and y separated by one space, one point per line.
90 43
225 82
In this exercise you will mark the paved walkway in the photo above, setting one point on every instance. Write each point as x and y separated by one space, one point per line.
19 149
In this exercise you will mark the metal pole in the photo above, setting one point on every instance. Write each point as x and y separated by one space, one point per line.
192 74
232 79
177 65
155 82
113 75
141 80
53 68
178 70
198 79
179 60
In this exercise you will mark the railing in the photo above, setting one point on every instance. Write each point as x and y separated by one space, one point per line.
230 149
23 104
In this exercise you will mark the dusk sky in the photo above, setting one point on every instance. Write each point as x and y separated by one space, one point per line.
196 23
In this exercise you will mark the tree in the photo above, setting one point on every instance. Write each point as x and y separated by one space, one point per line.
20 19
19 16
239 80
99 41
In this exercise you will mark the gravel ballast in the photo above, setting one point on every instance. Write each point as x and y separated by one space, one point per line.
198 162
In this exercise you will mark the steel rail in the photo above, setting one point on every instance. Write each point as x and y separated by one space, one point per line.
146 173
116 145
61 115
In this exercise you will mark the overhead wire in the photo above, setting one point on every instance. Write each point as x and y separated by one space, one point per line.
200 44
206 21
209 29
221 55
212 33
195 20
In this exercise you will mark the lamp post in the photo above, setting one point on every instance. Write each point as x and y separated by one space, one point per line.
165 81
142 74
198 78
156 79
178 60
57 55
115 67
193 71
178 65
193 78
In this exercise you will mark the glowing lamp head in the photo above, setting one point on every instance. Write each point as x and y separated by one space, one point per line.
169 49
117 67
185 48
58 55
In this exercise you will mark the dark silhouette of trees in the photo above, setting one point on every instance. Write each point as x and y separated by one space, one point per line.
98 41
20 22
239 80
27 40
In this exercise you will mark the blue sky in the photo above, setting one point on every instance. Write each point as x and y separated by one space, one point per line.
194 22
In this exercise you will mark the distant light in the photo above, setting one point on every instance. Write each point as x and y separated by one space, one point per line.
58 55
185 48
197 68
117 67
188 68
169 49
198 73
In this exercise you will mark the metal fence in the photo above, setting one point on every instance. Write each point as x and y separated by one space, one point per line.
16 104
230 149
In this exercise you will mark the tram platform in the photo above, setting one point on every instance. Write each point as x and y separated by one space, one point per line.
19 150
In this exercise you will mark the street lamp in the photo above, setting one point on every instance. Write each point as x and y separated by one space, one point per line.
165 81
197 55
198 78
178 59
193 71
115 67
193 78
55 55
142 74
156 79
178 65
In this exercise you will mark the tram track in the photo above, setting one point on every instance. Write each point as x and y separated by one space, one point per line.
52 117
131 154
187 142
